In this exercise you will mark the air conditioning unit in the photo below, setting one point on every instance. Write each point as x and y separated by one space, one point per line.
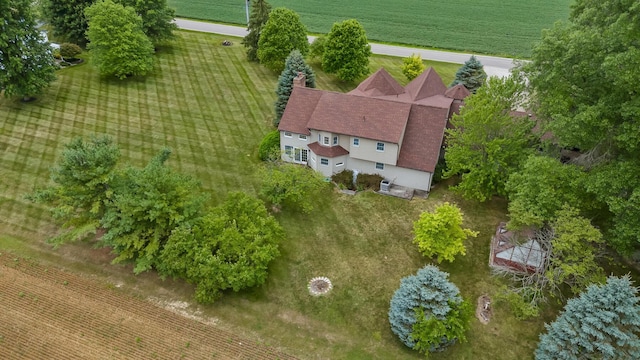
384 185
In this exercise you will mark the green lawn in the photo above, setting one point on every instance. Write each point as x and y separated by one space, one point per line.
212 108
504 27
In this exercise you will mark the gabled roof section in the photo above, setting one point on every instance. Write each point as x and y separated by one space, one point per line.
360 116
301 105
458 92
423 138
426 85
378 84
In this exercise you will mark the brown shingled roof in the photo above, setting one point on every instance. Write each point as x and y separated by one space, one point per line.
300 106
327 151
425 85
458 92
423 138
370 118
378 84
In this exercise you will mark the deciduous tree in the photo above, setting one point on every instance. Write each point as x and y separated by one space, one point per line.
118 44
291 185
145 206
602 323
346 51
487 142
68 19
440 233
584 77
471 75
412 66
260 10
427 312
229 248
281 34
157 18
293 66
541 188
26 62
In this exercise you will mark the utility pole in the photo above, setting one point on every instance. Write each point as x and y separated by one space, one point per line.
246 7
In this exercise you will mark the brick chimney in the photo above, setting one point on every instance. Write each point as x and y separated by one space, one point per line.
300 80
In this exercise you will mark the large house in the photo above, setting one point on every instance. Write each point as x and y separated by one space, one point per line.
379 127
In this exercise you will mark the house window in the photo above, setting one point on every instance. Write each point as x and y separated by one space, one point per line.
380 166
380 146
339 164
288 149
300 155
356 141
335 140
326 140
302 137
324 161
287 134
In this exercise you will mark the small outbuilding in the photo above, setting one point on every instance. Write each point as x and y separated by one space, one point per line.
516 251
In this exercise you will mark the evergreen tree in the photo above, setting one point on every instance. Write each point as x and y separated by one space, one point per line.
26 62
424 302
157 18
346 51
412 66
602 323
282 33
118 45
82 178
260 10
68 19
471 75
293 65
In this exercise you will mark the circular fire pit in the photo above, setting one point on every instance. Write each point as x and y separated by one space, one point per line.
319 286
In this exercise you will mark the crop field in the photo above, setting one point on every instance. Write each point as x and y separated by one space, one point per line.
212 107
501 27
52 314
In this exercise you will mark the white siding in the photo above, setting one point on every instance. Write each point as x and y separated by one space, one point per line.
415 179
367 151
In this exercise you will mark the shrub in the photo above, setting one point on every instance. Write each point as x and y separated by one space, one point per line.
269 149
291 185
69 50
344 178
368 181
316 49
427 312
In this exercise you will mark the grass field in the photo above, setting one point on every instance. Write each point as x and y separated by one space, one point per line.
502 27
212 108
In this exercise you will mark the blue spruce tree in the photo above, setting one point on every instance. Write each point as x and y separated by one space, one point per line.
293 65
428 300
471 75
602 323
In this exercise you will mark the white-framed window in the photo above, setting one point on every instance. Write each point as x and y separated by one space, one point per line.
379 166
302 137
324 161
339 164
288 150
296 154
287 134
326 140
335 140
356 141
380 146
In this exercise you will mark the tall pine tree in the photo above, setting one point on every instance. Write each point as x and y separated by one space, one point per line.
260 10
471 75
602 323
293 65
26 62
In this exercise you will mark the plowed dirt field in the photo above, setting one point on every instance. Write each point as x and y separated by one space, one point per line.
48 313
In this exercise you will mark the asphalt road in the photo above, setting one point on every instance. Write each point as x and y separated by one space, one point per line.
493 66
